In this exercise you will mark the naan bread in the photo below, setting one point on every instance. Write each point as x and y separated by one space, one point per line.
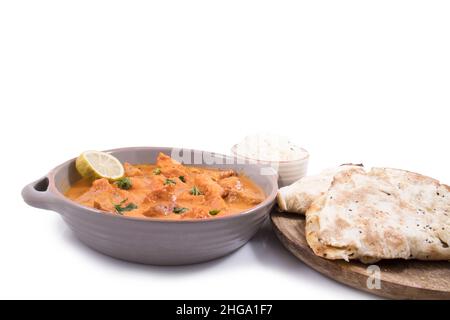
382 214
298 197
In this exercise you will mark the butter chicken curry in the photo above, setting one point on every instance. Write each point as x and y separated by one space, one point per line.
169 190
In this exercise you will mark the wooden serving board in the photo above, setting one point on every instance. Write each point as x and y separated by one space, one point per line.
399 279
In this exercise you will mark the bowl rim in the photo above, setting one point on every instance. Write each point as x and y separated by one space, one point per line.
299 160
270 199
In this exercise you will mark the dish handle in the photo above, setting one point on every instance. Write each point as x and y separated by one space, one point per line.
38 195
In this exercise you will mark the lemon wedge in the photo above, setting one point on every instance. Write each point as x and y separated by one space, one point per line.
96 164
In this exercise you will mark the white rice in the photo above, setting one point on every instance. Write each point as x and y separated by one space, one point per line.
268 147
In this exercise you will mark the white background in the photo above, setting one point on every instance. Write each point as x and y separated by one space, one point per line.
351 81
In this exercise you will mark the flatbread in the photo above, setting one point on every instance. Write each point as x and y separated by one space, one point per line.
382 214
298 197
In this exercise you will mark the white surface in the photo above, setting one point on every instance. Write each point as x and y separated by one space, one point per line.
351 81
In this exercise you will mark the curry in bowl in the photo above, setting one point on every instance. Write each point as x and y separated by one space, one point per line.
169 190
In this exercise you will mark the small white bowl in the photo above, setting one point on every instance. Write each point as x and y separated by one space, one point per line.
289 171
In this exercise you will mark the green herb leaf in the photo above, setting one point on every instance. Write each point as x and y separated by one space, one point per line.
214 212
124 183
178 210
182 178
157 171
195 191
129 207
169 182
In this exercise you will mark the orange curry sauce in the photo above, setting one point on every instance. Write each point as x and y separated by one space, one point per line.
170 190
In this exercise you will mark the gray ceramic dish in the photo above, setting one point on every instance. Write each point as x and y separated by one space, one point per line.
153 241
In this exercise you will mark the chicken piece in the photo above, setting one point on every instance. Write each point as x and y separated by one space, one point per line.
236 191
169 167
162 193
150 187
231 184
221 174
104 196
212 190
101 195
208 186
131 171
246 196
157 210
99 187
